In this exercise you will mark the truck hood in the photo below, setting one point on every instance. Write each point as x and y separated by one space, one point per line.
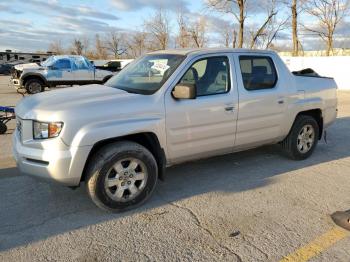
90 108
21 67
58 104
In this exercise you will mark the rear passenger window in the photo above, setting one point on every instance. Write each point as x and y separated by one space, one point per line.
211 76
258 72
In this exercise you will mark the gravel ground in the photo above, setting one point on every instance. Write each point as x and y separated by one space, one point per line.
250 206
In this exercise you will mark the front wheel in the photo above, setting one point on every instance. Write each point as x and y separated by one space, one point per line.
302 139
121 176
34 86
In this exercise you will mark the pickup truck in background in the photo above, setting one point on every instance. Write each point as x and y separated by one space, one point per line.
166 108
57 70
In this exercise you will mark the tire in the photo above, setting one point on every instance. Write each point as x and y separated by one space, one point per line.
34 86
3 128
302 139
115 163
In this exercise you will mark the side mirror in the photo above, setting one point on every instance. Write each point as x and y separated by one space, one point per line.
185 91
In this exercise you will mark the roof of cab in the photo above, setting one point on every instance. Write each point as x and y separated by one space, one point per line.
67 56
203 51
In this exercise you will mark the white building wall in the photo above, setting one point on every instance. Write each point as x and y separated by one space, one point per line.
337 67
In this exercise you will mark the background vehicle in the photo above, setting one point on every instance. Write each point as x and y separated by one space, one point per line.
57 70
113 65
166 108
5 69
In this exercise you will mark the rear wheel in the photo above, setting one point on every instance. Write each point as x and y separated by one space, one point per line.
34 86
121 176
302 139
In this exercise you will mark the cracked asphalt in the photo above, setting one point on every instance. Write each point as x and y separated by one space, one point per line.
249 206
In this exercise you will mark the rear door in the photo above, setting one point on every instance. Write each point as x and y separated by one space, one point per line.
83 71
204 126
262 104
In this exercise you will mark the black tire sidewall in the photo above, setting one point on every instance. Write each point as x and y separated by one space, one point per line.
101 193
31 81
300 123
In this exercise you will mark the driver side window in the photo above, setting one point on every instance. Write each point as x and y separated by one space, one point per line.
211 76
63 64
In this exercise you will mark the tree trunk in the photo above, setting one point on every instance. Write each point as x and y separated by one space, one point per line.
241 23
234 39
295 28
329 45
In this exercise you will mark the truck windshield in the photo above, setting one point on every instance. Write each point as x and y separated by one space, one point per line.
49 61
147 74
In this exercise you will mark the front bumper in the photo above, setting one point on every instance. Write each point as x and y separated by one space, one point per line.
64 165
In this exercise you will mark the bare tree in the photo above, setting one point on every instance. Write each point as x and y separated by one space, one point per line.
235 7
100 48
86 45
234 39
198 31
158 28
183 37
262 36
77 47
56 47
137 44
262 30
328 13
115 43
272 31
296 8
228 34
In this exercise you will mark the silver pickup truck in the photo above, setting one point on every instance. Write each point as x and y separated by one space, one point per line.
57 70
166 108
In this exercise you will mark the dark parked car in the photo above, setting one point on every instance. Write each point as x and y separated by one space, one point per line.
5 69
113 65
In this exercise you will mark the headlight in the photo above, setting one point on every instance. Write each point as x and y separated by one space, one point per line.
42 130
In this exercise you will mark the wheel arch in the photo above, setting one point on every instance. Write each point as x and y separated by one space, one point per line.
147 139
27 77
317 115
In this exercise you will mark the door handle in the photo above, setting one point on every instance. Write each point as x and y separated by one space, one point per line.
280 100
229 108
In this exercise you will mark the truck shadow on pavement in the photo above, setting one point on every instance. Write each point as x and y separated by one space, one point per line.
31 211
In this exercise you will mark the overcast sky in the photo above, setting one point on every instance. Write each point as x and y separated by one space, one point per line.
30 25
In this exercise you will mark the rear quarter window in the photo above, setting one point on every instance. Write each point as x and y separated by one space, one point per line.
258 72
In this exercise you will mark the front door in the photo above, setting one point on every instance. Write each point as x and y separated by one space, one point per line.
61 72
204 126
